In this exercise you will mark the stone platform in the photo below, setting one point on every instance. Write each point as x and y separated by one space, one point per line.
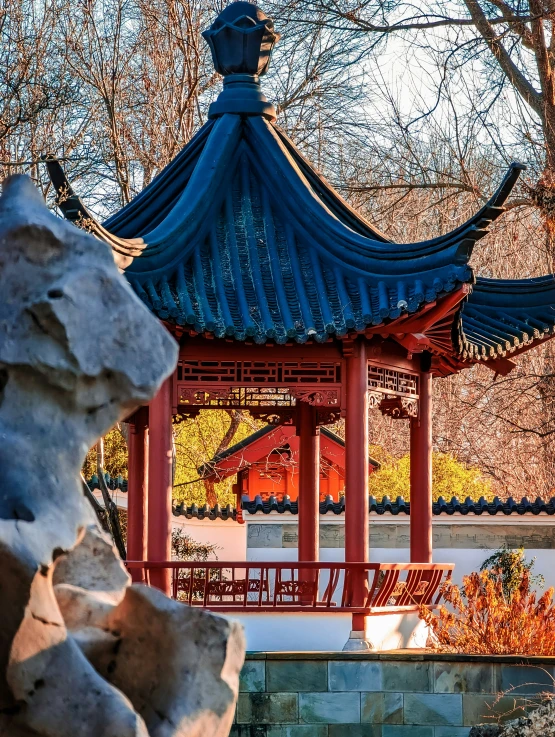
395 694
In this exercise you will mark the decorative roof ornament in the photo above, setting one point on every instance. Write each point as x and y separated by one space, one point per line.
241 40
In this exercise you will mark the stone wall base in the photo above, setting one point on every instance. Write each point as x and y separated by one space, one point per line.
383 694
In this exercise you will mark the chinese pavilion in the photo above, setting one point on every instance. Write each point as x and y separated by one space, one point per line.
287 302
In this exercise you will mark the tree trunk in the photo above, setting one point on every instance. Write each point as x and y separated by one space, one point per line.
112 513
209 483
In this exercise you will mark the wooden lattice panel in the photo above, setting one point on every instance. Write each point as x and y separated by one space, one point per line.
390 381
259 372
257 384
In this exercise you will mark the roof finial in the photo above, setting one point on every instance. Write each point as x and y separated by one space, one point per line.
241 40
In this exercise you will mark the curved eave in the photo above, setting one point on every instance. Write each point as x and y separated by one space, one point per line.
504 317
338 242
154 231
492 209
335 203
240 238
153 204
74 210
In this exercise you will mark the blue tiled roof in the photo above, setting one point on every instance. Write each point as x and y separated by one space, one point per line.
240 237
504 316
205 512
400 506
384 507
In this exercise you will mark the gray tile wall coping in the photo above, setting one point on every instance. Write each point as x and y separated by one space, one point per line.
408 655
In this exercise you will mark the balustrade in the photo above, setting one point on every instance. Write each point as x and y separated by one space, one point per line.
300 586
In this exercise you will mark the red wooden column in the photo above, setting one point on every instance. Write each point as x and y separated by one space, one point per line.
137 490
421 471
160 484
309 483
356 469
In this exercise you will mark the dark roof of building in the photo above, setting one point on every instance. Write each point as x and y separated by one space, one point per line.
205 512
400 506
240 237
236 448
208 468
113 483
385 506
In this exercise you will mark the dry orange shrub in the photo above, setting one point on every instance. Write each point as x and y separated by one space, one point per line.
483 618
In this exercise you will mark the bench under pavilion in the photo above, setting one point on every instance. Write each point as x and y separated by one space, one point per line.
286 302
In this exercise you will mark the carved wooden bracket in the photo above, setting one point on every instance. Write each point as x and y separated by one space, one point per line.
399 408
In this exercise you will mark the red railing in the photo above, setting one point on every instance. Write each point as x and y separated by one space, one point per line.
366 588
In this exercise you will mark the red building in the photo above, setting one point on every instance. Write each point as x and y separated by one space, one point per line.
267 465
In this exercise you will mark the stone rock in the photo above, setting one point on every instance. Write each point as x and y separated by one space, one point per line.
82 652
486 730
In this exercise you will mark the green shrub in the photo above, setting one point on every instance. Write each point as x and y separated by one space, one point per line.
450 477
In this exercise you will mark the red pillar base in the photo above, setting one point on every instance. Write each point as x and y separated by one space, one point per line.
359 638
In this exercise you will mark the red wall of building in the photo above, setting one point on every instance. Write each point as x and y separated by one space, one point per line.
276 477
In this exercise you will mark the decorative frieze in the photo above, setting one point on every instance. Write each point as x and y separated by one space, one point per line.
271 389
394 393
399 407
268 389
235 397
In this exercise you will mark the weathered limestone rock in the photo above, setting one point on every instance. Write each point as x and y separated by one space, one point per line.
486 730
82 652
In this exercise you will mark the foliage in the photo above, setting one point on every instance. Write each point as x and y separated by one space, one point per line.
495 613
122 514
511 565
115 455
450 477
185 548
196 442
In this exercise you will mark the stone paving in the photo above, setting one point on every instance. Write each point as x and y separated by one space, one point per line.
402 694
